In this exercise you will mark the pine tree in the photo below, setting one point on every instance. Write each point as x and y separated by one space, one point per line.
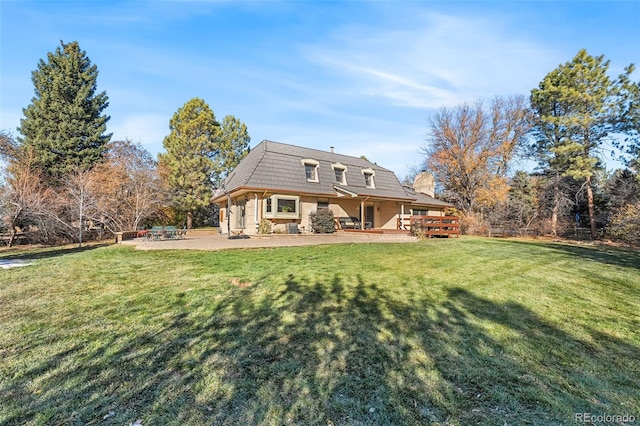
65 124
191 147
233 146
630 125
578 107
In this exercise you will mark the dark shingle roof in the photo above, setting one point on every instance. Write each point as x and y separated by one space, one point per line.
424 199
275 166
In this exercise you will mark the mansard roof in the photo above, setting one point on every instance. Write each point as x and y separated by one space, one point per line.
278 167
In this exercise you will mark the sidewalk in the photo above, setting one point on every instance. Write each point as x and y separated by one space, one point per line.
221 242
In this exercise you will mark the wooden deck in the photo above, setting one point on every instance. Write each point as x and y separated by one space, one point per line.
427 226
435 226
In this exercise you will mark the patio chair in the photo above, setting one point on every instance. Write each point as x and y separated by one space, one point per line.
155 233
350 223
171 232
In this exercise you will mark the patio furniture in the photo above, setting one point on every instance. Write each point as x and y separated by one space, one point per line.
349 223
170 232
181 233
155 233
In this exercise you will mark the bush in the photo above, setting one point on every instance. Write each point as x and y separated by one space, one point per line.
322 221
264 227
625 224
474 224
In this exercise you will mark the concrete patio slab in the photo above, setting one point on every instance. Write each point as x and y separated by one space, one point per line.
221 242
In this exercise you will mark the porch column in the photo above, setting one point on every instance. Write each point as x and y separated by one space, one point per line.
255 197
228 215
362 214
402 216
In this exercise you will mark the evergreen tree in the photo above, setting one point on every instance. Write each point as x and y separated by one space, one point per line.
65 124
191 147
630 125
622 188
233 146
578 107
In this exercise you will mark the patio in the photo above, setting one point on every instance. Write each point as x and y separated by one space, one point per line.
221 242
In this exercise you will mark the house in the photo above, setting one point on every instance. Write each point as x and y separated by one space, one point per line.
284 183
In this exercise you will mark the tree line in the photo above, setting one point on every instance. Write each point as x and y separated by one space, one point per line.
63 176
577 113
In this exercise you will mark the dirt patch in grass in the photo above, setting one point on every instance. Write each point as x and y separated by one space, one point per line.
240 283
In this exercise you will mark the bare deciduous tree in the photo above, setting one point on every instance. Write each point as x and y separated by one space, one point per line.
128 188
24 199
469 149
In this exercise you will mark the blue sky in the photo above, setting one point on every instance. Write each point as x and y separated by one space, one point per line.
362 76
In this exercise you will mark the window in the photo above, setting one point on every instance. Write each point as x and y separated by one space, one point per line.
323 205
282 207
311 172
286 205
368 178
311 169
340 172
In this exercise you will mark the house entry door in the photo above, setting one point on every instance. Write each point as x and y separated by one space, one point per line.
368 217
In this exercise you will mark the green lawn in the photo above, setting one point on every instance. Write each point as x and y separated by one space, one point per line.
459 332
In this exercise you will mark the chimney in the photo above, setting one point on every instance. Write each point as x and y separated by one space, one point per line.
331 148
425 184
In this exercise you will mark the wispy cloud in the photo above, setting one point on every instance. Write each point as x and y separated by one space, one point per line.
360 76
401 90
438 60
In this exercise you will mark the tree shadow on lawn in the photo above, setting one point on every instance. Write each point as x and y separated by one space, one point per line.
339 352
623 257
46 253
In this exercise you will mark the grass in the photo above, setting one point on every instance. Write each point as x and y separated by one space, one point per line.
460 332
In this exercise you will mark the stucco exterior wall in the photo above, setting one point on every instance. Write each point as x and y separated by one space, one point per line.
388 213
385 213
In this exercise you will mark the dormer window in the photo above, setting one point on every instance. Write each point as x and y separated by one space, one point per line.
311 170
369 181
340 171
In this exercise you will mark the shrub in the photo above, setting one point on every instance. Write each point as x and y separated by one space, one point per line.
474 224
264 227
322 221
625 224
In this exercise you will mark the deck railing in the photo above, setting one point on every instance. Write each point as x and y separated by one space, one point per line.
430 226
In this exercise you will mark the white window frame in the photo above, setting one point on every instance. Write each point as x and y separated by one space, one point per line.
343 169
275 214
371 173
309 162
